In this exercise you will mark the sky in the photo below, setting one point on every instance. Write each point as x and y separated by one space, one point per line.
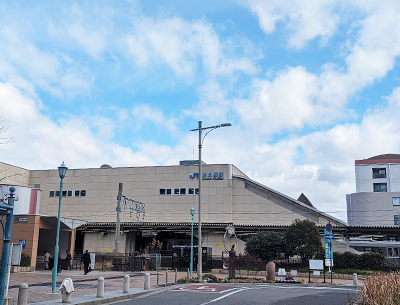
308 86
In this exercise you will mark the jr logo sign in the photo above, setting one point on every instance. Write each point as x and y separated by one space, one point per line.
209 176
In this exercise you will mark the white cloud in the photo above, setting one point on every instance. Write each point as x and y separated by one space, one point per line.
288 102
144 114
180 45
27 66
304 20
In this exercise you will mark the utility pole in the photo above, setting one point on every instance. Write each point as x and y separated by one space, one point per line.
6 210
118 223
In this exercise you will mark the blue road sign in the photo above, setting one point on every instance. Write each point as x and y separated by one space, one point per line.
329 236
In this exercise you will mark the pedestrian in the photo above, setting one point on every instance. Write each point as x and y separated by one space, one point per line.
46 257
68 258
232 258
86 261
59 267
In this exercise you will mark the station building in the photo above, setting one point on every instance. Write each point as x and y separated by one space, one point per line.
230 199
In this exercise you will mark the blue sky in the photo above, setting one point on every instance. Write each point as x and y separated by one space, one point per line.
309 87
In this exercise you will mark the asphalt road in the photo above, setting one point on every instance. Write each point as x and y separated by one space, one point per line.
253 294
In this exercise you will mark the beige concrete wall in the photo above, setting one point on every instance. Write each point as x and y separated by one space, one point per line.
142 184
215 240
252 209
223 201
96 242
13 175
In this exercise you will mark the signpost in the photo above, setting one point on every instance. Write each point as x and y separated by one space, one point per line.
329 237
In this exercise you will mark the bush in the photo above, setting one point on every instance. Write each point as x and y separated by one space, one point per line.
209 276
247 262
346 260
365 261
380 289
25 260
372 261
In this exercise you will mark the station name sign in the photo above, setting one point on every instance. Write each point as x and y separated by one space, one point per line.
209 176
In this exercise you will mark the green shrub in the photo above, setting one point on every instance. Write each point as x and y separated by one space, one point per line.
25 260
346 260
209 276
365 261
372 261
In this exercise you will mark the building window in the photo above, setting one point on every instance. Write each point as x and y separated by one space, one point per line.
183 191
57 193
51 194
396 220
196 191
396 200
83 193
162 191
64 193
368 249
378 173
191 191
380 187
168 191
69 193
176 191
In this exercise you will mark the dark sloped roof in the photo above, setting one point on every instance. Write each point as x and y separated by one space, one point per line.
303 198
385 156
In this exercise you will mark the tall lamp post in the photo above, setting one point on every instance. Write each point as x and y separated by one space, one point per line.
200 129
62 170
191 243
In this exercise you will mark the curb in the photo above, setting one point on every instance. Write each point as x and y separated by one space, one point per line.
114 299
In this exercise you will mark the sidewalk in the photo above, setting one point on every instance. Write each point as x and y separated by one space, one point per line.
40 284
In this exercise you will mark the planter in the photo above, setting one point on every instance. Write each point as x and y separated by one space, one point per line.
16 269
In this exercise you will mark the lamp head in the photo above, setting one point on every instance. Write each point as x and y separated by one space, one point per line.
192 211
62 170
226 124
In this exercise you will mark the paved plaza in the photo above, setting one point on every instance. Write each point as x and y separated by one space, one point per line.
40 283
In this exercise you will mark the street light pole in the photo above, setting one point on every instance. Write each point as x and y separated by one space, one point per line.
62 170
199 250
191 243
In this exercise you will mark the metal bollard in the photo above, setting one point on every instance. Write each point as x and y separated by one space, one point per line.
23 294
100 287
158 278
355 280
176 275
166 278
187 275
147 281
127 280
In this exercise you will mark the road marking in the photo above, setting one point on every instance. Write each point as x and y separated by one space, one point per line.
307 287
213 288
224 296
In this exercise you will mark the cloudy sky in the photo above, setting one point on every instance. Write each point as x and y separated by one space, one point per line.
308 86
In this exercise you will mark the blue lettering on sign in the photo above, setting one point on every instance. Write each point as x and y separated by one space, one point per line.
22 242
209 176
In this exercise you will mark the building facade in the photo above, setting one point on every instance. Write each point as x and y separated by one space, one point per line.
90 199
377 198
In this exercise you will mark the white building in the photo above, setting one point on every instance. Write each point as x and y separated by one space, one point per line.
377 198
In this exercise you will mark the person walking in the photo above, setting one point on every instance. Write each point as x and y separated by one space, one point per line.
86 261
59 267
47 257
68 259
